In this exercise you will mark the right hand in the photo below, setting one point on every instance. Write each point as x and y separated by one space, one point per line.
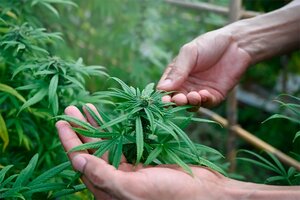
205 70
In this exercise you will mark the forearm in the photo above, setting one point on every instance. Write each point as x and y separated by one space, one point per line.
269 34
248 191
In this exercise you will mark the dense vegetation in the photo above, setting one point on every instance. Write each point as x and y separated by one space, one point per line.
48 52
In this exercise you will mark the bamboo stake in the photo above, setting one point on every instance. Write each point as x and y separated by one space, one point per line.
210 7
231 107
255 141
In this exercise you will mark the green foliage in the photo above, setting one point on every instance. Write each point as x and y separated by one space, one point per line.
144 129
282 175
23 186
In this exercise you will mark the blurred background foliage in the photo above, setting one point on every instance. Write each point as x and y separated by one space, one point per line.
135 40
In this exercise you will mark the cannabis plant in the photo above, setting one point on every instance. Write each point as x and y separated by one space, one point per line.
144 129
283 175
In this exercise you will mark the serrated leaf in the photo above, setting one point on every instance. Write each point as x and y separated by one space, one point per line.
50 173
296 136
275 178
72 190
125 87
77 122
26 173
153 155
139 139
35 99
148 90
114 121
12 91
44 187
89 145
94 134
3 133
195 119
52 88
167 129
94 115
172 156
118 153
3 172
279 116
150 118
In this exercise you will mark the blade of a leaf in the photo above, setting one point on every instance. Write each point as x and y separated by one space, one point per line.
49 174
118 153
26 173
172 156
296 136
150 118
139 139
115 121
89 145
53 87
36 98
153 155
12 91
95 134
77 122
3 133
3 172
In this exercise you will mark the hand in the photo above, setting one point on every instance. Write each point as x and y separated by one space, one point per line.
136 182
205 70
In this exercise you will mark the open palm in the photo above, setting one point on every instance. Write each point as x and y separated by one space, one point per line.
134 182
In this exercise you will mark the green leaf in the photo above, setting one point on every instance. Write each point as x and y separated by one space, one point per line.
279 116
50 173
65 192
296 136
89 145
168 129
77 122
172 156
153 155
195 119
115 121
150 118
94 115
33 100
3 133
275 178
44 187
118 153
12 91
52 88
125 87
139 139
95 134
3 172
105 147
26 173
183 136
148 90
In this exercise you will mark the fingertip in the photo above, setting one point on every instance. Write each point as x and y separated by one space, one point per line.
61 123
194 98
165 84
180 99
166 99
70 109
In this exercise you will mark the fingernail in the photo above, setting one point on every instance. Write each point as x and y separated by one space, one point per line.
165 83
79 163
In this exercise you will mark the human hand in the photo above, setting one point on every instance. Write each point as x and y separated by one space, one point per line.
135 182
205 70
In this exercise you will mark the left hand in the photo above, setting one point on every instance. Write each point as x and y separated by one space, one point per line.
136 182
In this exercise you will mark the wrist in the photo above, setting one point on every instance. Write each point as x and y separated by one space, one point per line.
248 191
270 34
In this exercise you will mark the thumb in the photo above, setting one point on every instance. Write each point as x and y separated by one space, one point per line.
178 71
100 174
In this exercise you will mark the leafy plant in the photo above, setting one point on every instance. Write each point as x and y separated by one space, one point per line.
23 186
144 129
294 114
282 175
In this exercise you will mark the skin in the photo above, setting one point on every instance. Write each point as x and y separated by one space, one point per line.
208 67
204 71
156 182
